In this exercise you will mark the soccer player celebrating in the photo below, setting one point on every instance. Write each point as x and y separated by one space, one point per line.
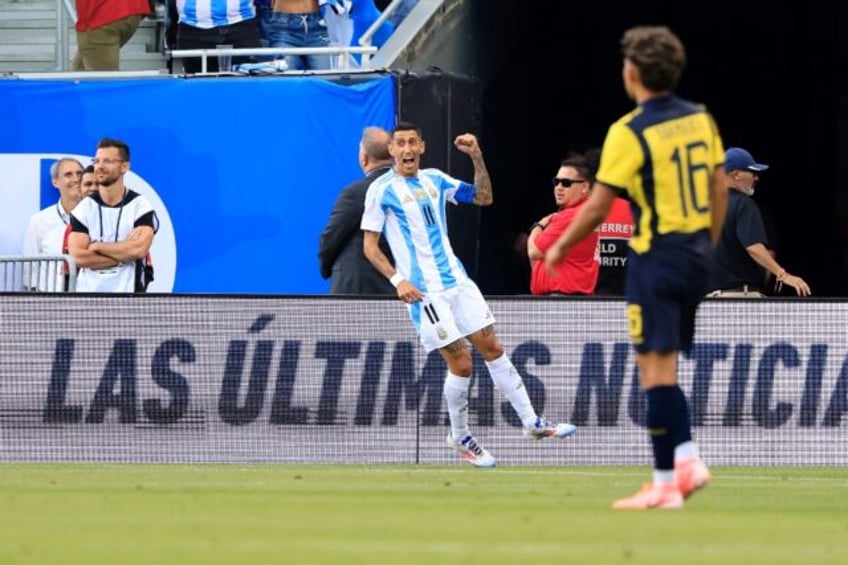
446 307
665 157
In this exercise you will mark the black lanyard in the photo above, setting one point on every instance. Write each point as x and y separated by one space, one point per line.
61 217
118 223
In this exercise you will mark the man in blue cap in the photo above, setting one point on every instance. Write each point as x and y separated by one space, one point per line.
741 252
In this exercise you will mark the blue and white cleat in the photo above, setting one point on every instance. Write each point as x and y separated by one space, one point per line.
471 450
545 428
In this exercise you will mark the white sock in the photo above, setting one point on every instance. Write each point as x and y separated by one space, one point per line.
456 395
663 477
508 381
685 450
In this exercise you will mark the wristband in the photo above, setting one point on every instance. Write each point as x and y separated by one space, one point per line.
396 279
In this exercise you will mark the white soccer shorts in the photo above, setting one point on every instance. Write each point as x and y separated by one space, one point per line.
444 317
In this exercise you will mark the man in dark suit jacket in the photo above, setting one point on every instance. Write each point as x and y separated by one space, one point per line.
340 245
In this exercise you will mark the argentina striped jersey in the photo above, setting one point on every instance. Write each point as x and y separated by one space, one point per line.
206 14
410 212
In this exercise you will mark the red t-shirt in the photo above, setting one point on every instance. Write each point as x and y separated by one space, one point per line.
97 13
578 272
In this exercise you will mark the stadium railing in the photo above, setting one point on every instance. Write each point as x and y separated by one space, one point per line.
45 273
343 53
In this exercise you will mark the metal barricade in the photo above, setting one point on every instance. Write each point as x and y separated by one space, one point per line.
38 273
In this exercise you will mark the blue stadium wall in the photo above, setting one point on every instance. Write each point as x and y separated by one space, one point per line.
243 171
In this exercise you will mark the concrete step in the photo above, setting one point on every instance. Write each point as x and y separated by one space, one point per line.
13 18
28 39
147 38
24 55
49 54
129 62
27 67
39 38
44 18
25 5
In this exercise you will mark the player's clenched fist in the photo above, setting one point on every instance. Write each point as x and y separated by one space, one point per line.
467 143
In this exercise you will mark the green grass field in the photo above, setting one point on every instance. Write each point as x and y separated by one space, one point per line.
158 514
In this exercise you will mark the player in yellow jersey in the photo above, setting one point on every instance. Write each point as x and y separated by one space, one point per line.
665 157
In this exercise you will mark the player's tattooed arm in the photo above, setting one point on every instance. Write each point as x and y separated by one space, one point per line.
468 144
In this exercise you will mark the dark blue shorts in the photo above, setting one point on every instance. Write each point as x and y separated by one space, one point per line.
664 288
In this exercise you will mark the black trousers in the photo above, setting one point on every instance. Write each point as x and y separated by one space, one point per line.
241 35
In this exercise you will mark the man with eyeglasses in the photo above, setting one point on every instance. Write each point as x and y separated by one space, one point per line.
741 254
46 228
111 230
666 157
578 273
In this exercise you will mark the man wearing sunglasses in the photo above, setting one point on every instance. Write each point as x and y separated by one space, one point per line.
578 272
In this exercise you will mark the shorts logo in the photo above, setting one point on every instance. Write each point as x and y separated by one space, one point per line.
440 331
634 323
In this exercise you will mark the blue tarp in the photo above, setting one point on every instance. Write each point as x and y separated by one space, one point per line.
246 169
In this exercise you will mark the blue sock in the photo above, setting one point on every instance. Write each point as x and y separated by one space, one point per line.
683 433
664 419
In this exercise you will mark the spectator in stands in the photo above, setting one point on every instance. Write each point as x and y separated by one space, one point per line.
741 252
445 306
104 27
205 24
578 273
88 182
46 228
340 246
299 23
111 230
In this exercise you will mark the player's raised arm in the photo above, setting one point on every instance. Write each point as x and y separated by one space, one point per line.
467 143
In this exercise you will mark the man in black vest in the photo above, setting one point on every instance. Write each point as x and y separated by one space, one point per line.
340 246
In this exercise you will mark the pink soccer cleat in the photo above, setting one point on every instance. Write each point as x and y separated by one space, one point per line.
691 475
652 496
